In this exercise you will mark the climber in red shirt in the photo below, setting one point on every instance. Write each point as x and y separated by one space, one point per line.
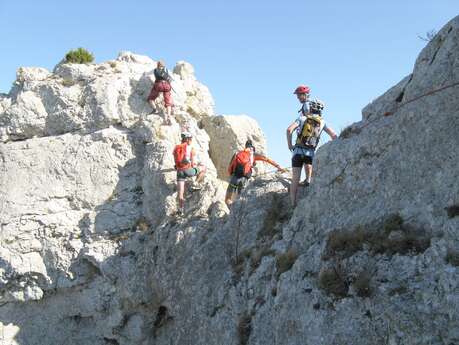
185 164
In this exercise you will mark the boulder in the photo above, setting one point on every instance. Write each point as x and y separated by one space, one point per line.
228 135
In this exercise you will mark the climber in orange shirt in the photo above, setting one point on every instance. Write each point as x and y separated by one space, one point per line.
240 170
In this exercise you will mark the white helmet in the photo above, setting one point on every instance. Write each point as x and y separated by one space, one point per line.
186 135
317 105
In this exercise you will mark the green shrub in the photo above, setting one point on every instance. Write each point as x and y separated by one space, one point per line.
277 213
79 55
244 328
399 290
258 255
333 280
284 262
389 237
453 211
392 223
344 242
349 131
238 263
142 225
362 284
452 257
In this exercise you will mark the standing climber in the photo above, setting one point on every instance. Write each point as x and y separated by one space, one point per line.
240 170
309 127
162 84
185 164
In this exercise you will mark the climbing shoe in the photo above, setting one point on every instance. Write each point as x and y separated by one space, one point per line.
195 187
304 183
153 111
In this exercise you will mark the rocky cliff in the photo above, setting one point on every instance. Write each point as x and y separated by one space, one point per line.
92 254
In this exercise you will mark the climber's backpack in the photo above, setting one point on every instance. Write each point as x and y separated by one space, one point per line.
243 166
180 157
309 134
161 74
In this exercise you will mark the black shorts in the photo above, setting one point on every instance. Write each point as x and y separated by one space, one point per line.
236 184
299 160
182 175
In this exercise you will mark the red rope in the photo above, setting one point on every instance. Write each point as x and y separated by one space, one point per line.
388 113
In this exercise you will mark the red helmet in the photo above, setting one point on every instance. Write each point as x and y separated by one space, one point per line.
302 89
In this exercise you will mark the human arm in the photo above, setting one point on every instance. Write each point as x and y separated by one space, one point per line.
231 165
330 132
169 76
174 154
267 160
193 157
290 130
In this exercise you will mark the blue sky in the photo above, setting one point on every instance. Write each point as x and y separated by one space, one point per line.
251 54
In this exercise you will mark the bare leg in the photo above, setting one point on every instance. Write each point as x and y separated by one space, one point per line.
229 197
152 105
180 194
296 175
168 119
202 172
308 171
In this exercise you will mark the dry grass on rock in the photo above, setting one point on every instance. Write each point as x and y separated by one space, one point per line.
388 237
452 257
285 261
244 328
333 280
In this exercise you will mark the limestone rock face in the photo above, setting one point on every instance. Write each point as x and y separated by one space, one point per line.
52 205
435 69
199 102
91 252
86 168
159 172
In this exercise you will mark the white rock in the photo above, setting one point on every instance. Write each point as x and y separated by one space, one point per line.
127 56
228 135
27 74
73 72
25 117
185 70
